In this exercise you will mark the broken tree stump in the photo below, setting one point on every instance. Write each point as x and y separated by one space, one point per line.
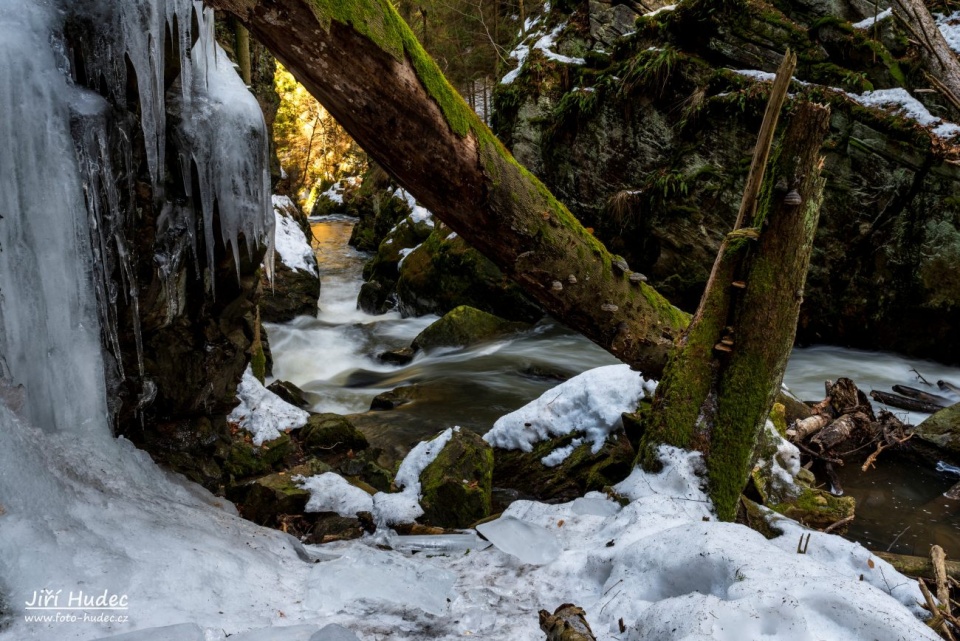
840 430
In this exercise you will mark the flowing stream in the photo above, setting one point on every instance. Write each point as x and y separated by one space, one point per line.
333 358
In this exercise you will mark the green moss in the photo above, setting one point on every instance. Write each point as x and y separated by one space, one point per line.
456 487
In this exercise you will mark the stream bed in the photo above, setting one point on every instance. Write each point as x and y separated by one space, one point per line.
333 358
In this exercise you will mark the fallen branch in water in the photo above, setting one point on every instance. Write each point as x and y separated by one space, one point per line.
881 447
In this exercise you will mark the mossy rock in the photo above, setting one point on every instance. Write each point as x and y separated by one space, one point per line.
456 487
465 326
364 471
942 430
326 434
244 459
816 508
264 499
581 472
445 272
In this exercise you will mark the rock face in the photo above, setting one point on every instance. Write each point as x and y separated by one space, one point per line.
455 488
465 326
326 434
649 142
295 290
943 430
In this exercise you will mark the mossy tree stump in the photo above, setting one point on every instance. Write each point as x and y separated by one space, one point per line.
718 388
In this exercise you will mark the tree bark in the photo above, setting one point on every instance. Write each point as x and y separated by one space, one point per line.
243 54
943 68
362 62
717 391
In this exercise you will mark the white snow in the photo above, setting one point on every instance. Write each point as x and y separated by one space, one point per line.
665 8
331 492
900 101
418 213
950 28
542 42
262 413
559 455
590 403
545 43
425 452
404 506
290 243
866 23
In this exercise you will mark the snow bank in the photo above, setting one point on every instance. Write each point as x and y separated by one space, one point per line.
949 26
866 23
104 515
544 43
902 102
289 241
262 413
331 492
590 403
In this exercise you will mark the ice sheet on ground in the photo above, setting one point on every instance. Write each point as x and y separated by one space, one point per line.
365 576
439 542
285 633
594 505
179 632
331 492
590 403
290 243
334 632
528 542
262 413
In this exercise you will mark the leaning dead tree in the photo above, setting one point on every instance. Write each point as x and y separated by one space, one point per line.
717 390
362 62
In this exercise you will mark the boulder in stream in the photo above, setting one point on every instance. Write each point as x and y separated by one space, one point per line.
465 326
326 434
295 290
942 430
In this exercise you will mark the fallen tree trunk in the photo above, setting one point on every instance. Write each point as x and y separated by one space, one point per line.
840 430
904 403
918 566
362 62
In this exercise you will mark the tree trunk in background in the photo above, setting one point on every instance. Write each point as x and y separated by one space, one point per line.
243 54
943 68
362 62
717 391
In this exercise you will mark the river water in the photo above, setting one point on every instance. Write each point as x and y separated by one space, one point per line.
333 358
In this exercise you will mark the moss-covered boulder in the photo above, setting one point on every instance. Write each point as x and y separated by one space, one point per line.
265 499
455 488
581 471
465 326
243 459
327 434
942 430
445 272
382 271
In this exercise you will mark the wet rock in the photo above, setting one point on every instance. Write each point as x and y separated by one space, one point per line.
290 393
444 272
609 21
392 399
333 527
455 489
400 356
326 434
942 430
581 472
465 326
